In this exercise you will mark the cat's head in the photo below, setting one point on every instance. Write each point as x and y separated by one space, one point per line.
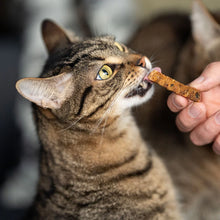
86 78
206 34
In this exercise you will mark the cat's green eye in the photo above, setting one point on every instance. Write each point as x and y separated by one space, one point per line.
119 46
104 73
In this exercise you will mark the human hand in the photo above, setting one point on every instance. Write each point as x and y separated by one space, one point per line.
201 119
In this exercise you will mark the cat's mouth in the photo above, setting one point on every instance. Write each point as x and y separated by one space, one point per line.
141 89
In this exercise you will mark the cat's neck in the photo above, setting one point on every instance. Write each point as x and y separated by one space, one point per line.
80 168
94 148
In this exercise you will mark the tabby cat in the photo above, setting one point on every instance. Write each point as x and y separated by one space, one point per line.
94 163
182 54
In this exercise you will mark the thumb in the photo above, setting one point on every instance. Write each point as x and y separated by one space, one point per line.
209 78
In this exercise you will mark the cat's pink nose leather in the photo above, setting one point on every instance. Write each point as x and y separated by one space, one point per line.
144 62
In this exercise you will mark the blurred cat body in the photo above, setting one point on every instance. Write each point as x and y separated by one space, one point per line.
194 170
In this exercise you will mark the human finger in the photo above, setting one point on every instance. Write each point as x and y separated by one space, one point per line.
209 78
216 145
191 117
206 132
176 102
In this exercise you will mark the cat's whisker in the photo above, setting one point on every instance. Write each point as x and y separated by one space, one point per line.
72 124
154 63
106 119
101 120
155 54
107 112
154 58
103 130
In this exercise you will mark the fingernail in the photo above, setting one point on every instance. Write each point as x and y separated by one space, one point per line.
199 80
176 104
217 118
194 111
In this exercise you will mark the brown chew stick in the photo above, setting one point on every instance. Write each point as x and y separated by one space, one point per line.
175 86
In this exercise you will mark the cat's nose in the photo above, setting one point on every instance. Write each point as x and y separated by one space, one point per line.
145 63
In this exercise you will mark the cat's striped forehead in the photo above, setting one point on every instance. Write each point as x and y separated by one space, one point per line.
97 49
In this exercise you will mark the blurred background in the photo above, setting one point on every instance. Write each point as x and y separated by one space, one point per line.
22 54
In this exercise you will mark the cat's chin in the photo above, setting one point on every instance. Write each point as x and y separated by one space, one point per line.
140 90
137 99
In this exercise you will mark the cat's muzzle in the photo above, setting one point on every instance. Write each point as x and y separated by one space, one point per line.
144 86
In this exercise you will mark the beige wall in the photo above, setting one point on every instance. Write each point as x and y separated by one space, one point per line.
147 8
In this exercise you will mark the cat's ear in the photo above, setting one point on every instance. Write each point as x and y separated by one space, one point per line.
56 37
205 29
47 92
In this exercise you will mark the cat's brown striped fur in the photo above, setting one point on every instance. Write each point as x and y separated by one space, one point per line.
94 163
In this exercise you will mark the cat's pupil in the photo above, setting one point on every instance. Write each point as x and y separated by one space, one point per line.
105 72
